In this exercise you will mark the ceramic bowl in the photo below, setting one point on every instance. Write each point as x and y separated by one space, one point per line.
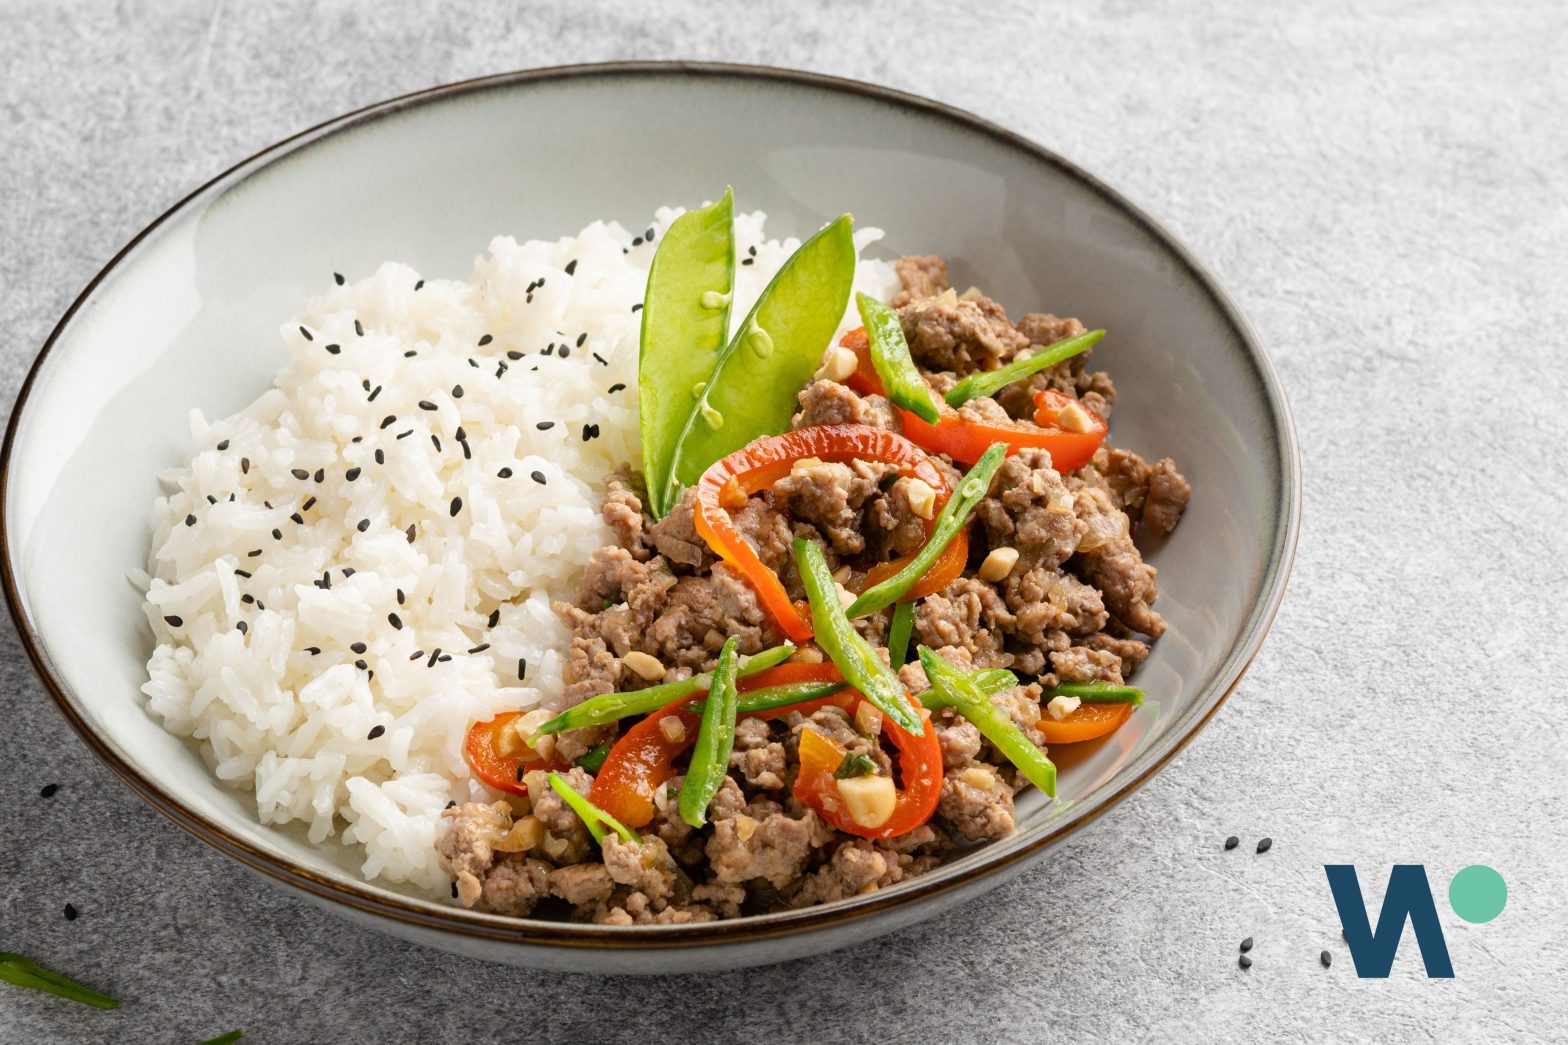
186 316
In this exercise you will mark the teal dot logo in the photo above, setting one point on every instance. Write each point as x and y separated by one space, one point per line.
1477 893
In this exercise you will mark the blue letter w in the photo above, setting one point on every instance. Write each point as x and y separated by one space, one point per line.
1408 896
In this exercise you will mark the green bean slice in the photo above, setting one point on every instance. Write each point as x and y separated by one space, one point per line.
990 382
710 759
890 356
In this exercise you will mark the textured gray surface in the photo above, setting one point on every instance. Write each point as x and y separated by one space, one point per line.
1382 188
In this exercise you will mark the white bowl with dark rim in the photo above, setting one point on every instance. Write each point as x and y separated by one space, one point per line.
186 316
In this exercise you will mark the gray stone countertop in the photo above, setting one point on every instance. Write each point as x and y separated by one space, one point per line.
1383 188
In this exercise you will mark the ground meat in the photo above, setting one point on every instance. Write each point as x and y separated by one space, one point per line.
514 885
830 496
1113 564
1083 664
835 724
581 884
830 403
759 758
958 738
567 841
892 528
1030 508
1022 705
1167 499
858 866
977 802
1046 601
970 615
767 530
923 276
645 867
744 846
675 536
700 613
1131 651
946 333
622 513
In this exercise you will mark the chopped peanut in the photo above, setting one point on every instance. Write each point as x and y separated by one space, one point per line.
837 364
807 655
922 499
979 777
998 564
869 800
745 827
868 718
846 597
1073 418
805 464
731 495
643 664
1060 707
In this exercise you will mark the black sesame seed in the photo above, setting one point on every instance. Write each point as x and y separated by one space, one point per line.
522 668
321 473
637 307
375 731
48 790
351 474
590 432
190 520
480 648
388 421
514 355
420 285
529 300
752 251
277 535
549 350
409 533
381 456
485 340
457 391
172 621
70 912
747 261
244 465
253 554
213 500
505 473
468 455
299 520
410 354
1265 845
537 477
457 505
334 349
495 617
396 621
435 441
358 647
544 426
1244 961
359 328
305 334
326 581
242 573
1326 958
571 267
247 598
521 769
580 339
310 502
299 473
601 359
400 596
636 241
425 404
1232 842
405 435
361 665
337 277
348 571
1246 945
314 651
452 804
435 655
445 657
649 234
373 393
454 888
223 445
416 654
242 627
617 387
565 351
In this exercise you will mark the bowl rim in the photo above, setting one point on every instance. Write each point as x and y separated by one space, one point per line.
749 929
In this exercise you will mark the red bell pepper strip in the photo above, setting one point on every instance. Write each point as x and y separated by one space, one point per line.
640 761
919 771
504 772
730 480
965 439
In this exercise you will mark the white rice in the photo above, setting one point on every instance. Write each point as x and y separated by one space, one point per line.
294 725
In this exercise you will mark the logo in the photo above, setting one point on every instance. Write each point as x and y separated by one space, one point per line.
1477 894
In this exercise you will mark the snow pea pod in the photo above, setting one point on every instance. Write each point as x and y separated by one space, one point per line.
853 655
685 326
750 388
710 759
890 356
990 382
